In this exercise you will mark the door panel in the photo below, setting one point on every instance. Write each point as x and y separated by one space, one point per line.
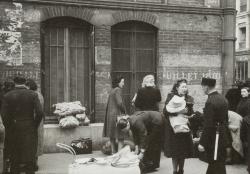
133 55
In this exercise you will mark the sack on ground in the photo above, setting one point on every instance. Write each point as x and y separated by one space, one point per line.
82 145
68 122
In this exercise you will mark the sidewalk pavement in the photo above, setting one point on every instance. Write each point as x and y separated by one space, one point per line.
57 163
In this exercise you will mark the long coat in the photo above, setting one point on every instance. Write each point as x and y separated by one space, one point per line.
40 128
242 107
115 107
245 137
147 99
215 111
18 109
178 145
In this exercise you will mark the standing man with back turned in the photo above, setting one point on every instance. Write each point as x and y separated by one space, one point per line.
215 120
19 108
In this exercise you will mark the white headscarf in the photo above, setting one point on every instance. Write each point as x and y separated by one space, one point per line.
148 81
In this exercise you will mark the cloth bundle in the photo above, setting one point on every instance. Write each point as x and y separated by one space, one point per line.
68 122
69 108
234 125
71 114
179 123
123 162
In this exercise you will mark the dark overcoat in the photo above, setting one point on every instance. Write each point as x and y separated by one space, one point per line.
242 107
147 99
178 145
18 109
115 107
215 111
146 127
245 137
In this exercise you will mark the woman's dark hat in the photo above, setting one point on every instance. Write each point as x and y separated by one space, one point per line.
208 82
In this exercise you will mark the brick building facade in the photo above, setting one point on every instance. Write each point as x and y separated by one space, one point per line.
73 47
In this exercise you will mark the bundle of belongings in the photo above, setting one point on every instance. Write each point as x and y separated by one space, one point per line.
71 114
123 162
234 125
179 123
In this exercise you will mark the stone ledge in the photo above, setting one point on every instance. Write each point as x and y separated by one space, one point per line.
54 134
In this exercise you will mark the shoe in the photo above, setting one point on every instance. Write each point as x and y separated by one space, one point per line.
180 172
36 167
175 172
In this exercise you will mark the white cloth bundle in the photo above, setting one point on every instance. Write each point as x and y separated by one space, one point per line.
68 122
69 108
123 162
179 123
234 125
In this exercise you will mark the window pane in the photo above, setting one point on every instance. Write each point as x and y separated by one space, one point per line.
121 60
144 60
145 40
121 39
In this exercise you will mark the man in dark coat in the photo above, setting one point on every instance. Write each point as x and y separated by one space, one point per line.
19 107
215 120
146 127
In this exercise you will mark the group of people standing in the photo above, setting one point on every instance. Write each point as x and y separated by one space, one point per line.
21 110
150 126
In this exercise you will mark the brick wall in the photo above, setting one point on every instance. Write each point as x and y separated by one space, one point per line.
189 45
102 69
190 48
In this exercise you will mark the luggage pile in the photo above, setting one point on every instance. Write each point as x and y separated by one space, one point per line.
71 114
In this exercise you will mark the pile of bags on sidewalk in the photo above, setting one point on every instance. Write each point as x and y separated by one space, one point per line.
71 114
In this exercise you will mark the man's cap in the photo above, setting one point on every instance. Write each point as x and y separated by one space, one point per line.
19 79
208 82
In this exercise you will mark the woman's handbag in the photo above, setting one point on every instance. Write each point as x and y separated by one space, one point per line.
82 145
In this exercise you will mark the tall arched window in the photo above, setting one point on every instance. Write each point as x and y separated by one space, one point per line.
133 55
67 62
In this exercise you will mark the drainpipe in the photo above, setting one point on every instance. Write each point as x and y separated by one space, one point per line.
228 44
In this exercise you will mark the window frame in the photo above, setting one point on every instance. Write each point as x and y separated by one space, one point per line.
65 22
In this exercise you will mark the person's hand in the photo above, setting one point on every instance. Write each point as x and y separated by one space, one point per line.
196 140
183 111
136 150
140 156
201 148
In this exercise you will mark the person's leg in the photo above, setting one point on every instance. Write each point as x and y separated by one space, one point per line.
113 145
175 165
216 168
181 163
29 168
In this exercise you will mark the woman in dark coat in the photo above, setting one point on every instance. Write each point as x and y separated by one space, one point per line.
115 107
148 97
244 102
178 146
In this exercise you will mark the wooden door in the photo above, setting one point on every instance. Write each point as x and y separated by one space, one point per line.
67 62
133 55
